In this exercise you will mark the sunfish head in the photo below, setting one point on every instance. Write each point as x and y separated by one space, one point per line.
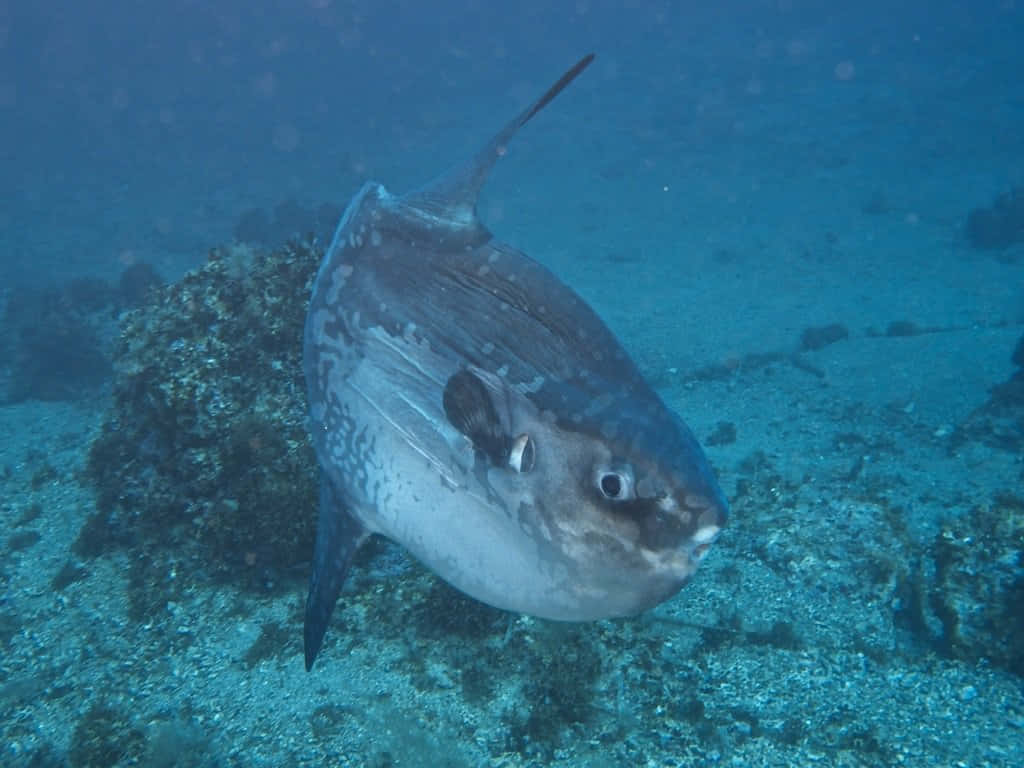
600 476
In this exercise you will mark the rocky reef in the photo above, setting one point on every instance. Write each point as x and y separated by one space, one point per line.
204 455
974 607
1000 224
999 421
966 594
58 338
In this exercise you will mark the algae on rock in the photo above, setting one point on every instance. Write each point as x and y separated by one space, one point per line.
205 451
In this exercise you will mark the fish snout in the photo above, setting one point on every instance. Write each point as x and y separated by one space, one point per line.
708 529
681 563
674 566
696 521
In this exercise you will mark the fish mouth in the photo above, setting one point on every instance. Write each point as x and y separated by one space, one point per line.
709 522
671 570
700 543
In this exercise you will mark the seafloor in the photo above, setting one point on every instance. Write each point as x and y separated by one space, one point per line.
865 606
802 640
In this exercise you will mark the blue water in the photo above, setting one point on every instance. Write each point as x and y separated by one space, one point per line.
721 184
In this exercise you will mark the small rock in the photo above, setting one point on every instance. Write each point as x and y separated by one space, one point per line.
821 336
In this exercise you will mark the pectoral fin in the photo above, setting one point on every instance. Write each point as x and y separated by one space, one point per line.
468 407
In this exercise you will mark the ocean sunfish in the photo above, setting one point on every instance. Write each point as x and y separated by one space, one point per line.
470 406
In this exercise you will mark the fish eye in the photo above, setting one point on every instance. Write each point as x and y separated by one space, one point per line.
615 482
611 485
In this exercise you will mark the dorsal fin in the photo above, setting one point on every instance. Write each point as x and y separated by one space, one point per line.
452 197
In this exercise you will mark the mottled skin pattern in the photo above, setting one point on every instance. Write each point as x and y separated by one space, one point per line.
619 506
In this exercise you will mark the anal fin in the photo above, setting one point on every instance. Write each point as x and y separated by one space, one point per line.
338 536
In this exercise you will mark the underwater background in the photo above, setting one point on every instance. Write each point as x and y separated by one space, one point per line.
805 221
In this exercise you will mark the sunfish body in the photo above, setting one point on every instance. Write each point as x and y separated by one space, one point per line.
467 404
